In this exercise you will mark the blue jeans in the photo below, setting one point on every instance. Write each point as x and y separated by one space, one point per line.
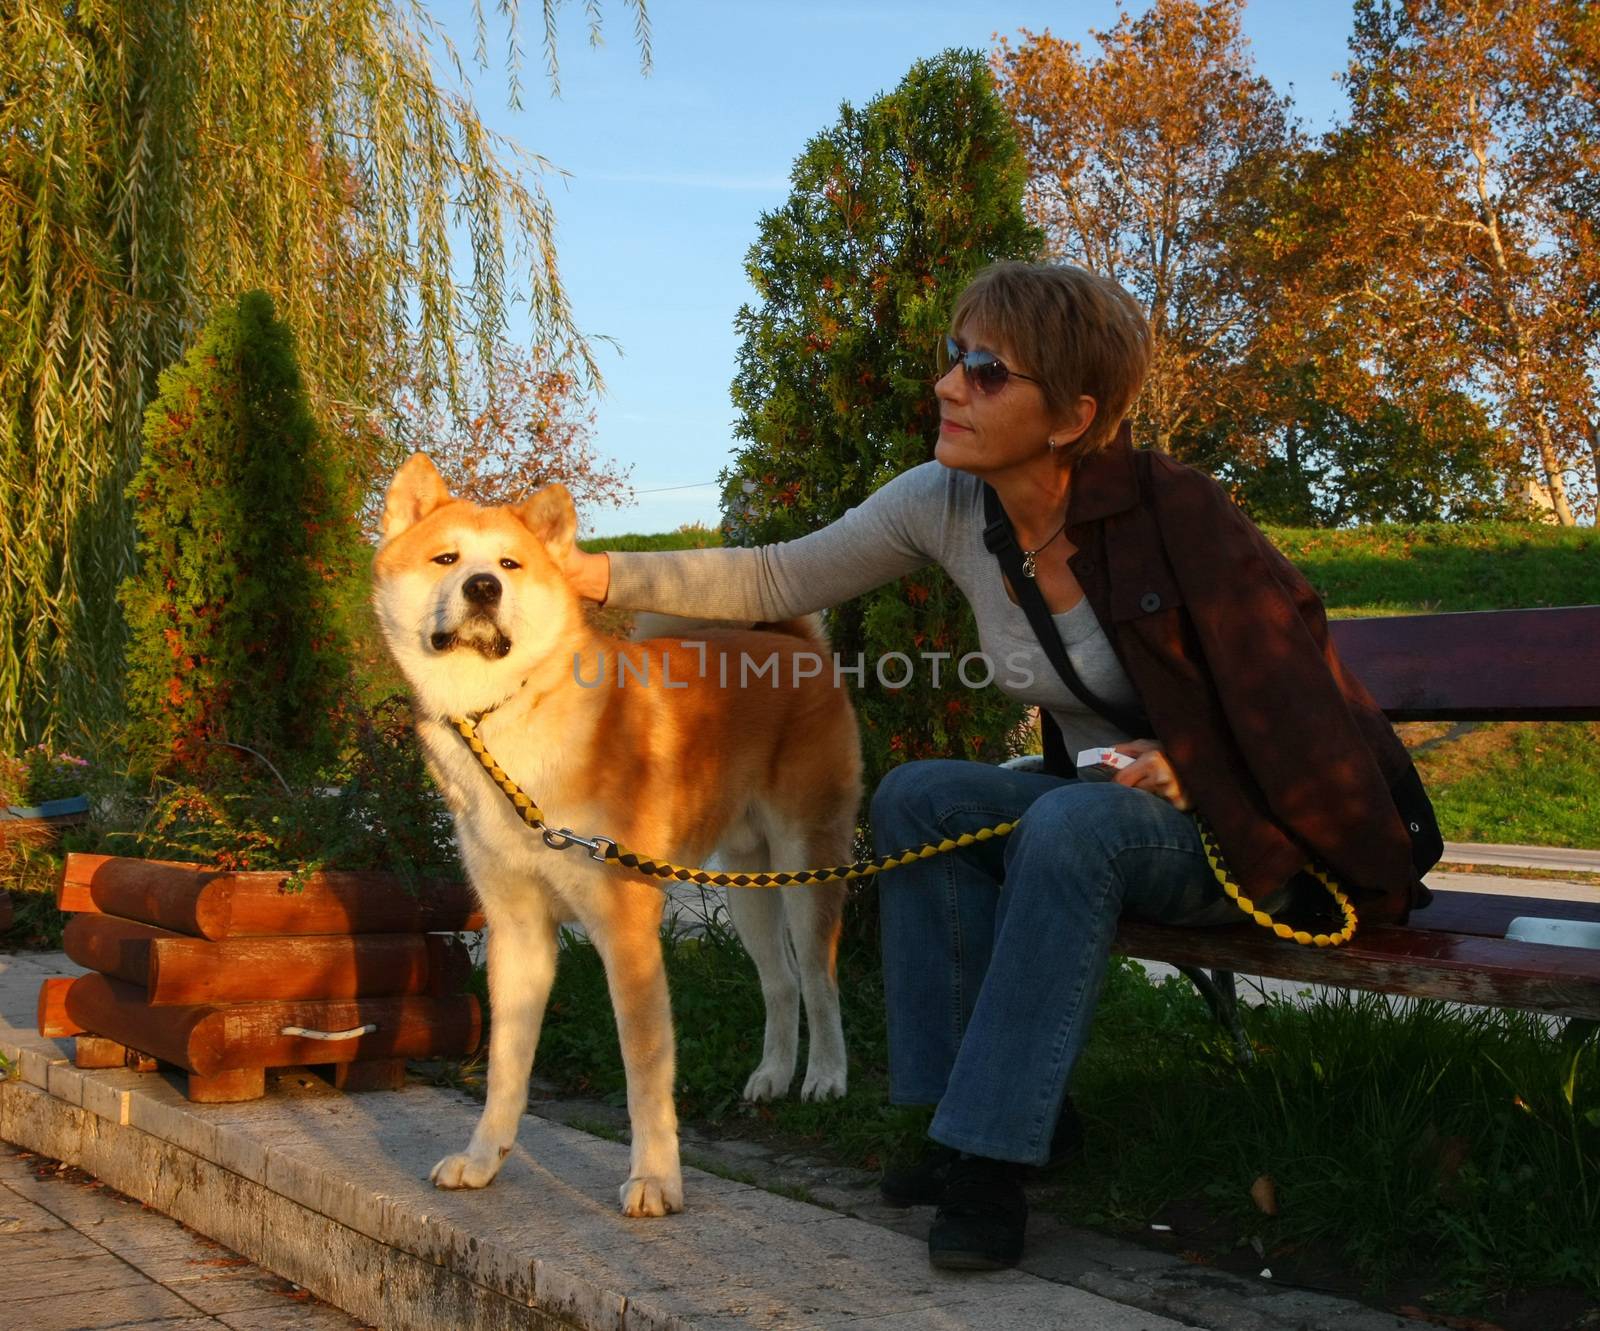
993 956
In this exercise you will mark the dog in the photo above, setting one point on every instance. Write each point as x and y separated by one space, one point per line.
652 744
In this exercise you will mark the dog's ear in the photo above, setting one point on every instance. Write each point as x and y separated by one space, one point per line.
549 515
417 489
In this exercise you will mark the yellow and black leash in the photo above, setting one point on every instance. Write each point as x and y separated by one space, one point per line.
607 851
1236 895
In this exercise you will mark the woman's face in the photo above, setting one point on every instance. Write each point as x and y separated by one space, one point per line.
983 433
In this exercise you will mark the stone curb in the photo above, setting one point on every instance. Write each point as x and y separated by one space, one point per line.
330 1191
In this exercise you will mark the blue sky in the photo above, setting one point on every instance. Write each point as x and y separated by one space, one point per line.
668 174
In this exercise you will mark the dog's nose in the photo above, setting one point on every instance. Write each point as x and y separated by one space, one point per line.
482 589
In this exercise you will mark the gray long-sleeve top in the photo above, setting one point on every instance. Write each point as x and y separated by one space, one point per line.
931 514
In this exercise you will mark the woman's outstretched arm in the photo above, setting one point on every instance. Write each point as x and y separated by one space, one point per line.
895 531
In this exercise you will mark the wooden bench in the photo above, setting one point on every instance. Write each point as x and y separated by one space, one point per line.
1501 665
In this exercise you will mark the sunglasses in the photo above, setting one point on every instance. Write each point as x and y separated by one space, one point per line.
984 370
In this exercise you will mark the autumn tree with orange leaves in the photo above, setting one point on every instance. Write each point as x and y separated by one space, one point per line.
1481 122
1135 153
523 423
1342 411
1399 321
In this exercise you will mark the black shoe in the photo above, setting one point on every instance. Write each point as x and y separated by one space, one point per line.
921 1182
980 1223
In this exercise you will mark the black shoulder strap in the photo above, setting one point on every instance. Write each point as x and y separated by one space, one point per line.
1001 542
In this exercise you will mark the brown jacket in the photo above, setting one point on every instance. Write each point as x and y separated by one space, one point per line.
1282 749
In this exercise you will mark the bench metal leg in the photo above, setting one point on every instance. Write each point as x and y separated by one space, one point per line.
1222 998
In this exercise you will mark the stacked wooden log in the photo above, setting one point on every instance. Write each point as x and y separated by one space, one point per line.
225 975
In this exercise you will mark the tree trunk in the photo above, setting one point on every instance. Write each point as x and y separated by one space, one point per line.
1527 399
1554 483
1297 477
1591 429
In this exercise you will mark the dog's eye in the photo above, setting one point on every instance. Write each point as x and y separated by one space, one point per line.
446 559
509 563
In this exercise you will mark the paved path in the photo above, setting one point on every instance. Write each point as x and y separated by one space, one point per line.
1522 857
79 1257
1495 884
95 1258
330 1191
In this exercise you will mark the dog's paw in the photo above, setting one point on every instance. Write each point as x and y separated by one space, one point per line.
768 1083
648 1196
823 1084
466 1170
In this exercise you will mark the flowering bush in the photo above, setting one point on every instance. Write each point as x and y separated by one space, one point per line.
37 775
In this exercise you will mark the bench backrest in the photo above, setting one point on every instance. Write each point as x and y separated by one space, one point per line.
1485 665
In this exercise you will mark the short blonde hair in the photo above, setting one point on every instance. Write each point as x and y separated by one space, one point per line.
1073 331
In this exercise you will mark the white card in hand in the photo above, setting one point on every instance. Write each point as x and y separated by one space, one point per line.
1104 760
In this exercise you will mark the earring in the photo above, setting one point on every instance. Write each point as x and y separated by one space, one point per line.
1052 444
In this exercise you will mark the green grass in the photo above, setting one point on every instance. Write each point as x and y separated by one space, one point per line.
718 1016
1401 1136
693 536
1523 784
1394 570
1377 570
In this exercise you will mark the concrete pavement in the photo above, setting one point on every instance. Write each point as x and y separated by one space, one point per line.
329 1191
80 1257
1556 858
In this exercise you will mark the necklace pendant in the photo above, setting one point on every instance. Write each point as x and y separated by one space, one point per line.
1029 567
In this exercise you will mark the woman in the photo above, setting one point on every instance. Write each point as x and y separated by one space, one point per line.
1171 607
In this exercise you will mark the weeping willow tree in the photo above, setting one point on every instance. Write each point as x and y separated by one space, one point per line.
157 159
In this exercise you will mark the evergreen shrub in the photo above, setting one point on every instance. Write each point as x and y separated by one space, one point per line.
246 542
892 211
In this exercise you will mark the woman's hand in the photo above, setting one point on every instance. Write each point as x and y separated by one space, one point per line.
589 575
1151 771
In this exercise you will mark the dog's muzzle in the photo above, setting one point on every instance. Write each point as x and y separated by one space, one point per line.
478 630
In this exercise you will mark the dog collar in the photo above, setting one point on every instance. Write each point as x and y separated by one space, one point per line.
476 717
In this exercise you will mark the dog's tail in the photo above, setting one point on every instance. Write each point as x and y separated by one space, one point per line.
649 625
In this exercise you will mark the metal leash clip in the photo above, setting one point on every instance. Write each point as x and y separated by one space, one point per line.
564 838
